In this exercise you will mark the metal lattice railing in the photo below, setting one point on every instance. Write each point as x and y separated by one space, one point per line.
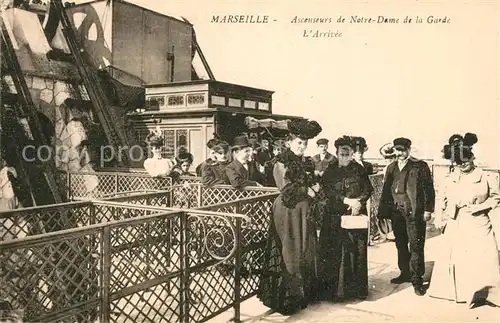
138 260
94 185
154 264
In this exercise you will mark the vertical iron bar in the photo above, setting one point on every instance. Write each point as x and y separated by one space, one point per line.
199 197
237 268
70 192
106 274
116 183
184 264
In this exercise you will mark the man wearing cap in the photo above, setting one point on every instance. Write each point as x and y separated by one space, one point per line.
324 158
241 172
408 199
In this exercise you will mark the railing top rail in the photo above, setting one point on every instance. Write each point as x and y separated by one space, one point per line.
135 193
248 188
74 232
66 205
245 199
93 228
131 174
199 211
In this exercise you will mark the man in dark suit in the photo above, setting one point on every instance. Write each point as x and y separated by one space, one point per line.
360 148
408 199
242 172
324 158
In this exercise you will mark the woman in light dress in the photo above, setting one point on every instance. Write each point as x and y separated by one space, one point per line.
467 270
157 165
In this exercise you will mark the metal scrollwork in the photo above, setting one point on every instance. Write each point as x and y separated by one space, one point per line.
214 235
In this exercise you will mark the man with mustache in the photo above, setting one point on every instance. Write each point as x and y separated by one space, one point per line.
408 199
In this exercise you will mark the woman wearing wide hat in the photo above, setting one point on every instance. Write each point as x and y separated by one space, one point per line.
343 250
157 165
468 269
183 162
360 147
213 172
289 278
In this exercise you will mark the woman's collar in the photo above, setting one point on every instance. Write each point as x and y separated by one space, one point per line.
475 175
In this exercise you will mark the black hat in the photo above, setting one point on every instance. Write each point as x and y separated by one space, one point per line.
468 139
240 142
184 157
304 129
344 141
360 144
404 143
221 147
212 143
459 149
322 141
457 153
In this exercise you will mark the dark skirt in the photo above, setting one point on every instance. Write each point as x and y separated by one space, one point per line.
289 278
343 261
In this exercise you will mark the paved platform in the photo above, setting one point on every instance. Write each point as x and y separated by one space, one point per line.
386 302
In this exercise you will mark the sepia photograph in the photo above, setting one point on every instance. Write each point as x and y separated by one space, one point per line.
249 161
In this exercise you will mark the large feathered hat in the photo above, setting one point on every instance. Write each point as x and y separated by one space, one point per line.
459 148
304 129
344 141
155 138
360 144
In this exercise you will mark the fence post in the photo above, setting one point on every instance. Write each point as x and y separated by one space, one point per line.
199 197
69 191
106 274
237 269
116 183
184 297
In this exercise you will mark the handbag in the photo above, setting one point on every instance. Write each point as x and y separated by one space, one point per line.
355 221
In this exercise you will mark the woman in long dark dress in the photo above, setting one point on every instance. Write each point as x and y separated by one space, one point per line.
343 252
289 278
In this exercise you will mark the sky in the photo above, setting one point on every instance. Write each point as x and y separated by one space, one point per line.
381 81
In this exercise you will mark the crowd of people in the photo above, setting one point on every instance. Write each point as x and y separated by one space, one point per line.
301 267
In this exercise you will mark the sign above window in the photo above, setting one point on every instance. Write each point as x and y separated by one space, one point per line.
235 103
264 106
248 104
